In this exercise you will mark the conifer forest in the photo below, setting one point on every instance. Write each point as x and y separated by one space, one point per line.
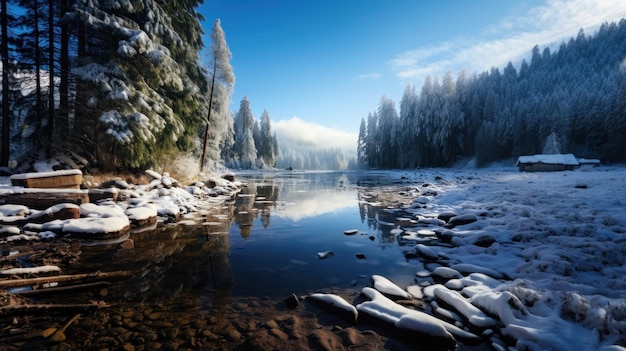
128 85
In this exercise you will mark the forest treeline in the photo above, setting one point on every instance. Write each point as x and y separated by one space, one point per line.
573 98
121 84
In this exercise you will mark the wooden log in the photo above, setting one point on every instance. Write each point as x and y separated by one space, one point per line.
48 308
13 283
60 289
56 179
41 200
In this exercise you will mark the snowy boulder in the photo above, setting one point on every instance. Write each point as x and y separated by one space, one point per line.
445 236
335 303
421 250
442 274
98 195
431 221
56 212
97 228
471 313
433 330
468 268
462 219
421 200
426 233
153 174
142 215
388 288
8 230
116 183
484 241
506 306
10 210
445 216
168 181
93 210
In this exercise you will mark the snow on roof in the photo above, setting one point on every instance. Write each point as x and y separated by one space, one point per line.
553 159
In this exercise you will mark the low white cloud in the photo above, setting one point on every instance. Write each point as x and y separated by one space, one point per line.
369 76
299 131
510 39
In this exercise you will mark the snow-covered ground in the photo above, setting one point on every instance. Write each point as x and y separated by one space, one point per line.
163 199
543 266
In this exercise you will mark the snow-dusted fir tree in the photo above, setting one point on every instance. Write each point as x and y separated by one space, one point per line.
361 146
219 133
140 94
244 147
372 148
267 148
552 145
409 128
388 133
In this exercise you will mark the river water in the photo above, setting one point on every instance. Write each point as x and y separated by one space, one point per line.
282 221
210 280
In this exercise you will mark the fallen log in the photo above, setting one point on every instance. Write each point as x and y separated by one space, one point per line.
12 310
41 200
13 283
59 289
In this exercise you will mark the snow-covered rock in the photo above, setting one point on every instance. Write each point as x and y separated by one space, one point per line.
336 302
389 288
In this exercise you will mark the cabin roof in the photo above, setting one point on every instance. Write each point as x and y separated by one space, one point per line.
552 159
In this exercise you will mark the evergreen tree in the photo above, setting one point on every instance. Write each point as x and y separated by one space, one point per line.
244 147
387 133
409 128
266 150
361 147
218 131
130 88
372 149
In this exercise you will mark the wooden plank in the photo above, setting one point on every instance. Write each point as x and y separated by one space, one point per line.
13 283
41 200
67 181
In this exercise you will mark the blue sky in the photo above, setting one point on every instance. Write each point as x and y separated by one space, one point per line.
319 66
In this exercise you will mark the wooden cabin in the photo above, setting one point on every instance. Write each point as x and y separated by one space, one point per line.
547 163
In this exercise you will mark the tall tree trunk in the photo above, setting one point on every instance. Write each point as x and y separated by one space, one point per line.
64 104
208 119
38 108
6 121
51 109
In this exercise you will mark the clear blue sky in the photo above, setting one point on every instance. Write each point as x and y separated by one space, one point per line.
328 62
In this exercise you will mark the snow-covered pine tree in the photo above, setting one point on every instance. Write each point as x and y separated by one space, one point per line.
266 148
387 132
219 135
372 148
130 85
361 146
244 147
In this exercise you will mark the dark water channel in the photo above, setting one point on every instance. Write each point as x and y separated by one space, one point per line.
195 284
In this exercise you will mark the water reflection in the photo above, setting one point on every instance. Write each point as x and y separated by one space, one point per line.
284 219
186 278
